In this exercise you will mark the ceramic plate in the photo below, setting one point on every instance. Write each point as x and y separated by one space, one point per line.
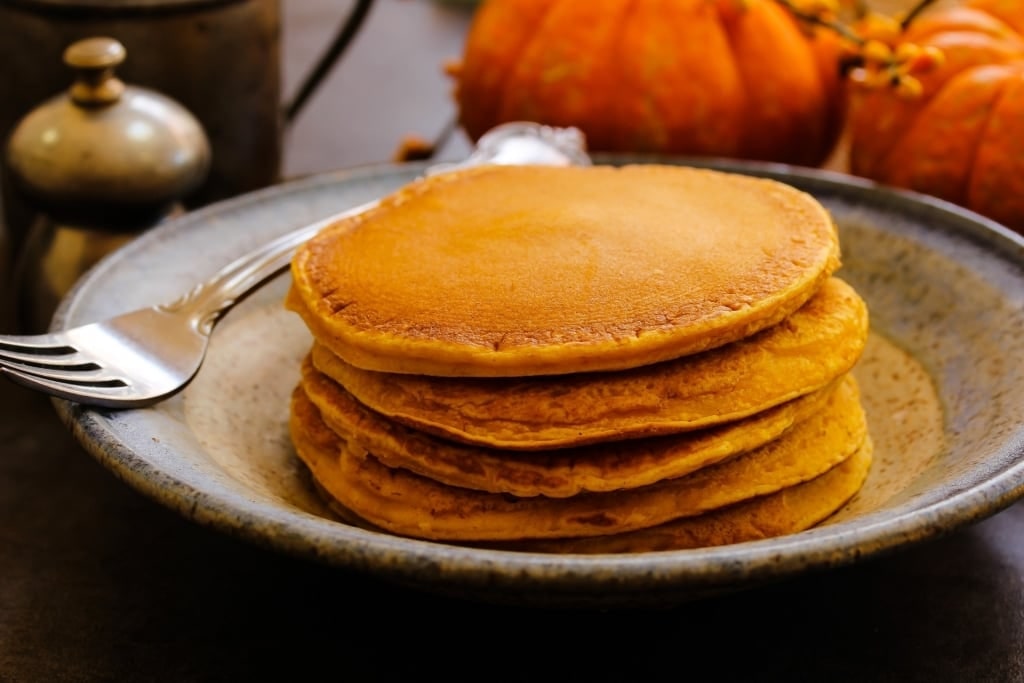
942 380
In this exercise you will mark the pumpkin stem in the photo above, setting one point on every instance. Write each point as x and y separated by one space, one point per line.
817 18
921 6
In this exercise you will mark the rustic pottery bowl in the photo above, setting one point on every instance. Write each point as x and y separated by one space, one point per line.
943 382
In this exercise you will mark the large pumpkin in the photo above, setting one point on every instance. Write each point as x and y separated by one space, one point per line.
963 138
736 78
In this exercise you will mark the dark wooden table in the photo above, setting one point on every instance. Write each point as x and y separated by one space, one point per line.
98 583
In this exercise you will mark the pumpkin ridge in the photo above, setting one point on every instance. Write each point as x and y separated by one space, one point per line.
980 137
775 136
999 10
620 117
503 90
963 18
1004 87
729 29
561 76
922 114
487 63
973 157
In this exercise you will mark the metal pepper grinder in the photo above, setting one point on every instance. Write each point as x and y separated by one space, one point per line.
100 164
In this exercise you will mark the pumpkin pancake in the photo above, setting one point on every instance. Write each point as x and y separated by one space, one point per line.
511 271
788 511
406 503
556 474
807 351
791 510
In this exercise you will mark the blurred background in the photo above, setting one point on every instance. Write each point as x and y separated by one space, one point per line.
888 90
348 122
280 90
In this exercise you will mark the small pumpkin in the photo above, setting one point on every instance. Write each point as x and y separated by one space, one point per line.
733 78
962 139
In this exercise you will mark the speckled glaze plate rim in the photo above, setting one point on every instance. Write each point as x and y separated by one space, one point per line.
527 578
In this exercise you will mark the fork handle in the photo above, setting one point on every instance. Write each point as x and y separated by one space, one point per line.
509 144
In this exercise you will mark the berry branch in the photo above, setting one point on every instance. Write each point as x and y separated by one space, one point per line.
877 54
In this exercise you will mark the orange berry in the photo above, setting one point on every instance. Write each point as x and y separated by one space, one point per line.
877 52
909 87
906 52
935 54
879 27
871 78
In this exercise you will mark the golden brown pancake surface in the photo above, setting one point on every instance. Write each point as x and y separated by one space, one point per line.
565 472
515 271
408 504
811 348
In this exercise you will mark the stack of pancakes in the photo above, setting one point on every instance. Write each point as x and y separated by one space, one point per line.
592 359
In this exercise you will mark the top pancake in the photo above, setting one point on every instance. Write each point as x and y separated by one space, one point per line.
523 270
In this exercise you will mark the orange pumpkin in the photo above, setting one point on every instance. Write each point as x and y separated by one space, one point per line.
735 78
963 139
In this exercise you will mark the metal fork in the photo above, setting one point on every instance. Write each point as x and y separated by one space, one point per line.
144 356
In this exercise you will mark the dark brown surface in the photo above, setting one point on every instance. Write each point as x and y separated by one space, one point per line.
98 583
